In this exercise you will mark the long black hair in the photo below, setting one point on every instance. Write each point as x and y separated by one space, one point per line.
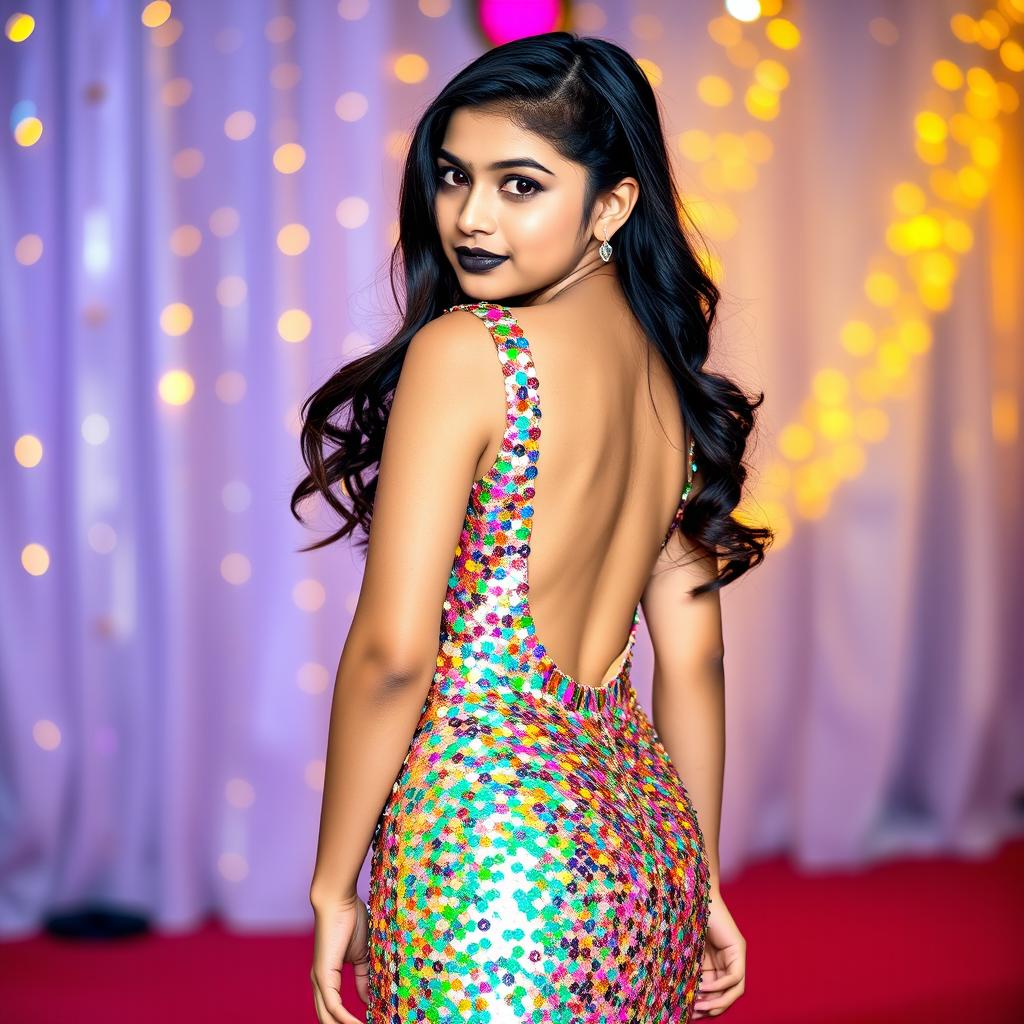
593 103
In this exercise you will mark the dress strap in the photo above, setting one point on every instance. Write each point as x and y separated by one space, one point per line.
691 468
516 464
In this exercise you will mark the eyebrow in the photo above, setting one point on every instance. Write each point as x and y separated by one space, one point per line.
498 165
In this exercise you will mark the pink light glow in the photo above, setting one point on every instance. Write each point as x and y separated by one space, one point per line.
504 20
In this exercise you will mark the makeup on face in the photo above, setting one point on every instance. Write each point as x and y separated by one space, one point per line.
475 260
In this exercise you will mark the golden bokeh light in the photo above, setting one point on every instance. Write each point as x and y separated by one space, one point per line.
771 74
156 13
796 442
714 90
725 31
411 68
289 157
908 197
948 75
35 559
830 386
857 337
293 239
761 103
294 325
782 33
872 424
696 145
28 451
19 27
176 319
881 288
915 335
176 387
28 131
964 27
1005 417
651 70
743 10
743 55
835 423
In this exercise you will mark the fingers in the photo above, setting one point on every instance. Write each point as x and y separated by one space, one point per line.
725 980
362 973
712 1007
329 1008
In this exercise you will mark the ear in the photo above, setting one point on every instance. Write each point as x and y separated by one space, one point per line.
614 208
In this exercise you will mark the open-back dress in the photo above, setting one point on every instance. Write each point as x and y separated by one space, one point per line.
538 858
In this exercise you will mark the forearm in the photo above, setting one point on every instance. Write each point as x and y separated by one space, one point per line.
689 716
374 713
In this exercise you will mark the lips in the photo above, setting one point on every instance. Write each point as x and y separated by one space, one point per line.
477 260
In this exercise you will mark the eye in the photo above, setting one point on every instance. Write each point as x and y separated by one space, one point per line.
442 171
535 188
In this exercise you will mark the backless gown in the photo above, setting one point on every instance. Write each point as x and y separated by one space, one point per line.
538 858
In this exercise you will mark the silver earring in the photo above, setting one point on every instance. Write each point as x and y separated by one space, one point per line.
605 252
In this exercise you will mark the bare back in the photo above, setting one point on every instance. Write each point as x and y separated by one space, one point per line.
610 471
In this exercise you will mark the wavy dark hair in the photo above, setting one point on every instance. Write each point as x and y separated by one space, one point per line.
593 103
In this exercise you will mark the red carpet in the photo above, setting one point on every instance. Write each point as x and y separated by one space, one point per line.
909 942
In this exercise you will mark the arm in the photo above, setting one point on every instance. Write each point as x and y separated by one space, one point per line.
688 694
440 423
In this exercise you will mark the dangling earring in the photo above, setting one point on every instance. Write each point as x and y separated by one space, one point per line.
605 252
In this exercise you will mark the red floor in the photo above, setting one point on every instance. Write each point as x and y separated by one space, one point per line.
907 942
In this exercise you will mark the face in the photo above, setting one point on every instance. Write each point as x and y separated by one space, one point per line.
526 212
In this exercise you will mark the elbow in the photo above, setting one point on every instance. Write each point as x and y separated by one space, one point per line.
389 672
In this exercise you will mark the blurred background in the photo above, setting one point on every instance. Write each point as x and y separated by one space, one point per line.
198 206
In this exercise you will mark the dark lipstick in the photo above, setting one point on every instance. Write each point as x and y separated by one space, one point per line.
477 260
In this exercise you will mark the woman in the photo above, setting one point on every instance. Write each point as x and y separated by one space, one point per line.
535 853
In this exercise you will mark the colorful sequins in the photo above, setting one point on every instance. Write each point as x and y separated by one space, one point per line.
538 859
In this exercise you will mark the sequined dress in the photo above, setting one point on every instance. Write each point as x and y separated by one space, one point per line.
538 858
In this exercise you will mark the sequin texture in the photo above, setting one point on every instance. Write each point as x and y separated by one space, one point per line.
538 858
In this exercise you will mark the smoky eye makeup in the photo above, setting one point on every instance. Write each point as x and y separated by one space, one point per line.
535 187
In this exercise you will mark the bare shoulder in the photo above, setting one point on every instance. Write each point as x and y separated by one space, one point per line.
457 338
453 358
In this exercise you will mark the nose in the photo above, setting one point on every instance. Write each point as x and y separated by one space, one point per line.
476 215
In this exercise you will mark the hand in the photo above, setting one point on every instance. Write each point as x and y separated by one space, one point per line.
340 936
725 963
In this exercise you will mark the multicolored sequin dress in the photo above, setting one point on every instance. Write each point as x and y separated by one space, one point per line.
538 858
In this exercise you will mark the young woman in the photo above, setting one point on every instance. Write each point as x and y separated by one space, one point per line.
551 457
